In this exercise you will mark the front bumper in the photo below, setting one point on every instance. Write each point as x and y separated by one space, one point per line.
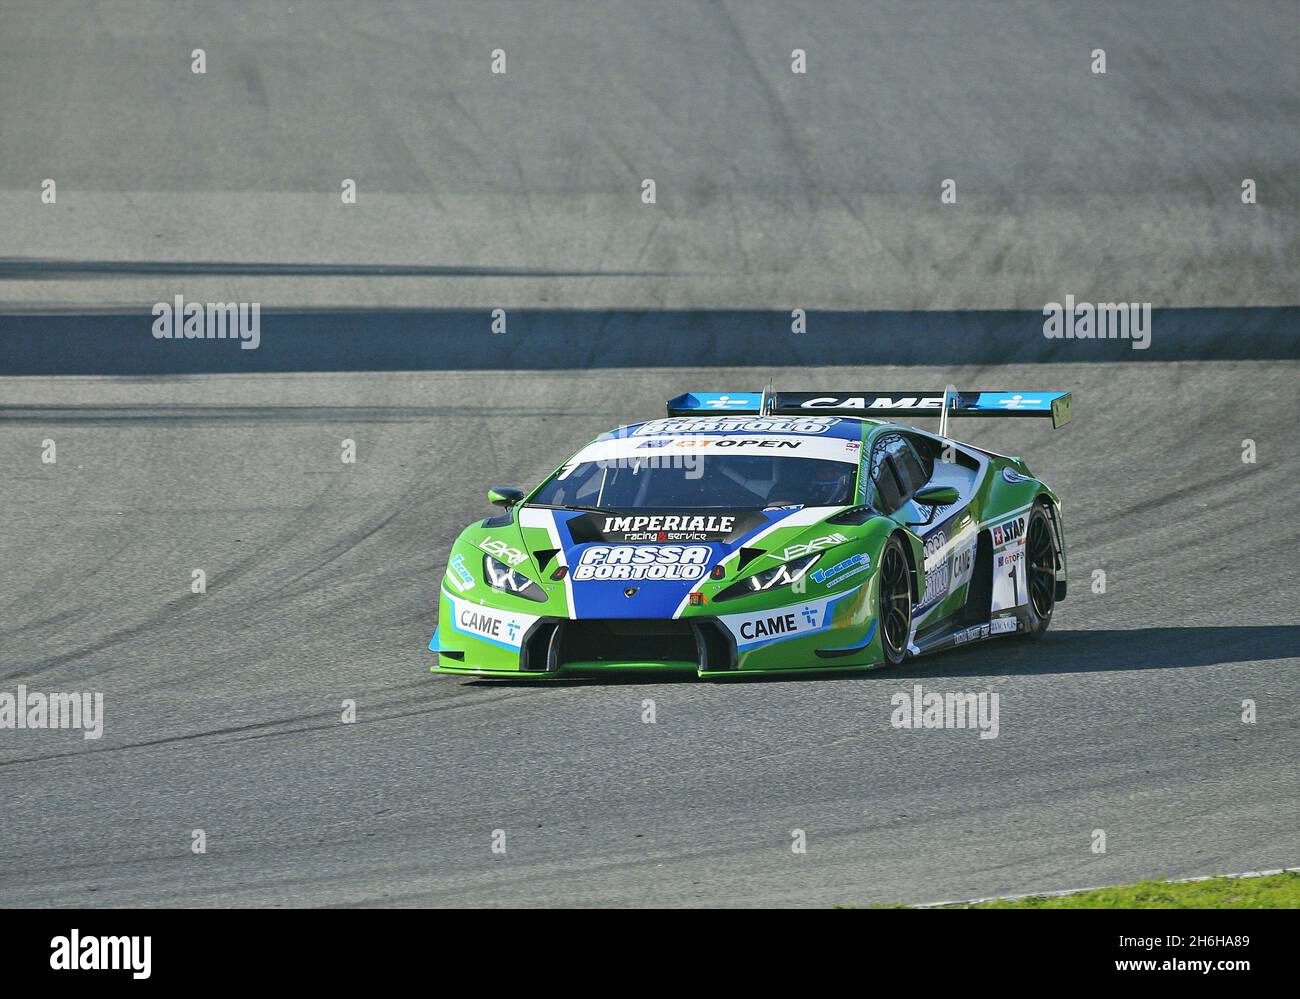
831 633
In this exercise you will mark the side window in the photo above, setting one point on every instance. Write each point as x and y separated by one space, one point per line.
898 468
893 472
913 470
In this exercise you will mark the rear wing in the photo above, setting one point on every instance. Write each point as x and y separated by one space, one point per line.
948 403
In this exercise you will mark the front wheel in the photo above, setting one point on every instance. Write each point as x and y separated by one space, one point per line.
895 609
1040 564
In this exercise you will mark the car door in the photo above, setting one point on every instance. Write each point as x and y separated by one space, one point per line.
900 464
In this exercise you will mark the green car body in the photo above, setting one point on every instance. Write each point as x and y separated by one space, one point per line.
763 588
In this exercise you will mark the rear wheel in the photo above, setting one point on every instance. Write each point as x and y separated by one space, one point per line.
895 611
1040 565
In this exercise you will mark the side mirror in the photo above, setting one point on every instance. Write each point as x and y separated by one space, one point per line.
934 497
505 497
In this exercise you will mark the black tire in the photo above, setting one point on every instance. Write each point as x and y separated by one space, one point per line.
894 609
1040 569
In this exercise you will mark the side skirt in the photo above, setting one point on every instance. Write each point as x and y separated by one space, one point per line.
999 627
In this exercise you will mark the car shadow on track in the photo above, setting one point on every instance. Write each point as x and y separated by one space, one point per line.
1114 651
1055 652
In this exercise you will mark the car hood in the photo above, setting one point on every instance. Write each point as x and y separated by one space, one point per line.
642 564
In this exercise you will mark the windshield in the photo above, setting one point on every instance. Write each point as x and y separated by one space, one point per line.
697 481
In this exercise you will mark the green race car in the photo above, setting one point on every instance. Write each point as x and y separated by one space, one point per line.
761 533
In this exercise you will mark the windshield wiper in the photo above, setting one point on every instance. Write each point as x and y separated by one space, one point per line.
569 506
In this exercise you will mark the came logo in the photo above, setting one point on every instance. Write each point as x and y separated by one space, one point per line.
875 402
783 623
478 621
762 627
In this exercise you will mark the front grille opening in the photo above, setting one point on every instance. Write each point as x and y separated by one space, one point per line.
717 649
534 653
617 641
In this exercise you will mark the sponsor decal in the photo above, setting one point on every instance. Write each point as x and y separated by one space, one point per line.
868 402
1012 476
761 627
504 552
949 559
683 527
686 451
669 522
504 629
815 545
781 623
851 566
737 424
971 634
458 575
963 561
936 585
773 625
1017 401
1009 533
1003 625
780 443
658 562
1009 586
934 545
725 401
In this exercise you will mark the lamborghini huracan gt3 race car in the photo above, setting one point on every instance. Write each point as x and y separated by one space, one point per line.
758 533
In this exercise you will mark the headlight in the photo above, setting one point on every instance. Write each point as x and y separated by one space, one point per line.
501 577
769 579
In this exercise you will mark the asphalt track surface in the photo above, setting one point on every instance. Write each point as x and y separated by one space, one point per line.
223 710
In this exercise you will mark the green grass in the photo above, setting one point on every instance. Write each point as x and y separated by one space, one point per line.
1274 891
